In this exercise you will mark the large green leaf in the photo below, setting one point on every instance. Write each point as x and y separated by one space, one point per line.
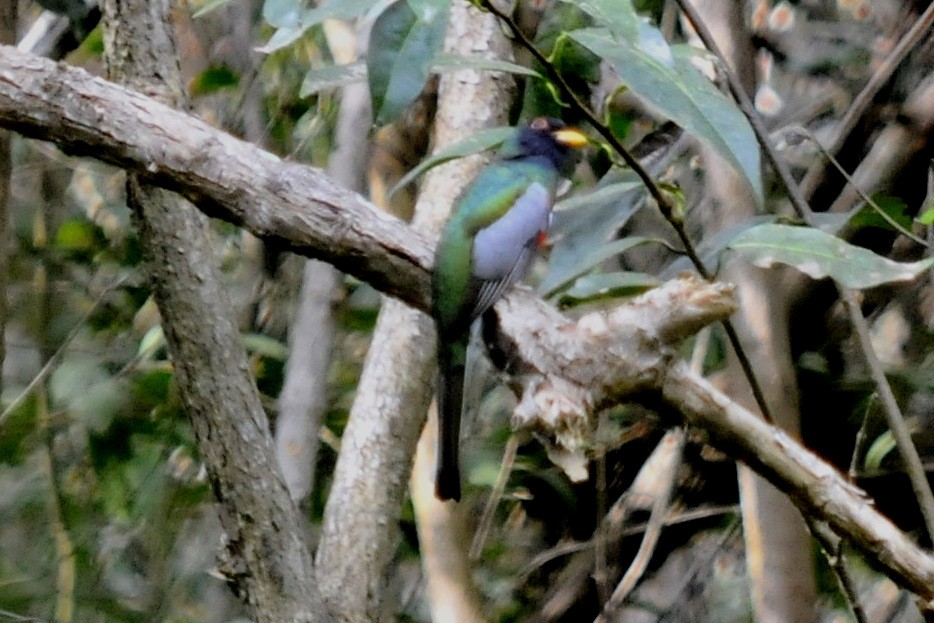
450 62
603 286
820 255
711 248
579 66
332 76
473 144
283 13
566 273
586 222
402 50
664 78
292 21
208 6
618 15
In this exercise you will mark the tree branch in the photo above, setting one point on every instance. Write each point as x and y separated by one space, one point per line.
225 177
603 357
266 560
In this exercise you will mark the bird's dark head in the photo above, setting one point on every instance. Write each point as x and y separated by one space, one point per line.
550 139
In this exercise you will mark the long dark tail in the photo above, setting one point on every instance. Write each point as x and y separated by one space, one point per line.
452 359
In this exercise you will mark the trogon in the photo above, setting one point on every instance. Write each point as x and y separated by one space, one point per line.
487 245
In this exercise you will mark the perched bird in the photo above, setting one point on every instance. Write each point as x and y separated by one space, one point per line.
487 245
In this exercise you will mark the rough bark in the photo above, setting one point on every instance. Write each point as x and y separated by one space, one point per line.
468 101
606 357
303 398
268 563
397 383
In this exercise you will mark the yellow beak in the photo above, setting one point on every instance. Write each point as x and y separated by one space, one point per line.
571 137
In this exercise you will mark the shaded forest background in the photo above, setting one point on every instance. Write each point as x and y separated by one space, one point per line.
108 495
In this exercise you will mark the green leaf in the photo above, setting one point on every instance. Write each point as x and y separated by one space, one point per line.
586 222
559 278
664 78
473 144
281 38
334 76
428 10
926 218
85 387
401 52
292 25
893 207
283 13
207 7
450 62
591 288
820 255
711 249
264 345
878 450
579 66
618 15
331 77
79 236
213 79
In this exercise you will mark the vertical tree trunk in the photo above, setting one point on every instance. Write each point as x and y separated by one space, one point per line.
302 401
398 378
778 545
267 562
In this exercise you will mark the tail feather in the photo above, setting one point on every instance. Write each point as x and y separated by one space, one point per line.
452 365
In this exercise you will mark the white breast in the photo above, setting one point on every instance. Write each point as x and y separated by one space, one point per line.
498 247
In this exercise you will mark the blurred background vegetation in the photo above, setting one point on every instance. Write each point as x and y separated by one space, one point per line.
105 512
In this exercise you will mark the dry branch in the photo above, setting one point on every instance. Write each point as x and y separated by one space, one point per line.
309 214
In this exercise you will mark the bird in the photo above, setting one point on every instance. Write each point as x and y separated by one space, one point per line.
488 244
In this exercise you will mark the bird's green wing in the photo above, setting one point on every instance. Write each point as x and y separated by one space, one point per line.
491 195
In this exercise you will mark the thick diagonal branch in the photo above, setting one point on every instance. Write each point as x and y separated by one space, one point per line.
267 561
225 177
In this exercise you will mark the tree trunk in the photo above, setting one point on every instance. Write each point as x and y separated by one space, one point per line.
397 383
267 563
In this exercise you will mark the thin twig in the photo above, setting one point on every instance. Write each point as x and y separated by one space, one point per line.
882 75
748 109
862 437
600 571
12 616
566 548
832 547
894 417
492 502
802 131
653 531
56 357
